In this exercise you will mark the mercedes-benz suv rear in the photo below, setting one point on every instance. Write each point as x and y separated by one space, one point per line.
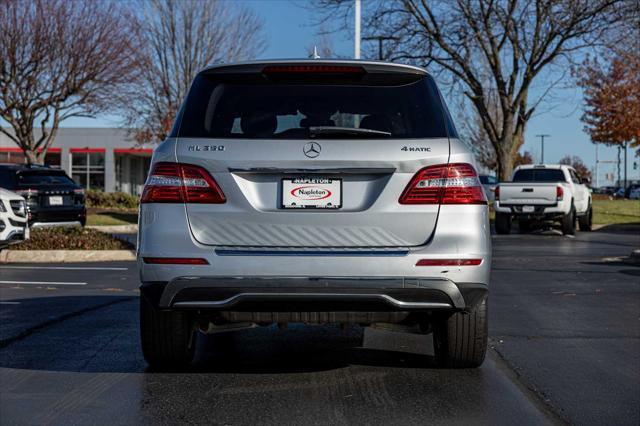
313 192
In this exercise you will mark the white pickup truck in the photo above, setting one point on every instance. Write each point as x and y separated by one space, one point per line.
539 193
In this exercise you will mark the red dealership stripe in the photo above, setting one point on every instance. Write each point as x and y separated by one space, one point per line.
133 151
18 150
87 150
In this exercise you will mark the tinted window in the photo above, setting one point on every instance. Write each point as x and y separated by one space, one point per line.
574 176
7 180
40 178
285 110
488 180
539 175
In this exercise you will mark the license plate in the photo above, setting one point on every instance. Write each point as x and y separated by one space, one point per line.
528 209
314 193
55 201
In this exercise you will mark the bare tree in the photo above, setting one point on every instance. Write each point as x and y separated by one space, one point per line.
180 38
59 59
486 48
577 163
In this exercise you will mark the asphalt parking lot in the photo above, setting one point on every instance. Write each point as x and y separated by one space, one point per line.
565 348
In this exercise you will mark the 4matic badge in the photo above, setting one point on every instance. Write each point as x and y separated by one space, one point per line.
416 148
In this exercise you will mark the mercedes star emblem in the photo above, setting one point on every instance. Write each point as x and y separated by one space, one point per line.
312 149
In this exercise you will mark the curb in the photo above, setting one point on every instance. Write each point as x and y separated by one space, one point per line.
115 229
65 256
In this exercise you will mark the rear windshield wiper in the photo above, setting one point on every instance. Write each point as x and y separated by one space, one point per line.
334 132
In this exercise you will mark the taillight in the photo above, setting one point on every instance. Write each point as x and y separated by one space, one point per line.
181 183
559 193
456 183
26 193
497 193
313 69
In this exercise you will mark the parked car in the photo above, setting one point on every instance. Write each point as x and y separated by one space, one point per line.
608 190
629 189
634 193
489 184
52 197
543 193
313 192
619 193
13 218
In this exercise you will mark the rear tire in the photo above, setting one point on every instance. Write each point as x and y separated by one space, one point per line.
503 223
167 337
460 340
569 222
586 221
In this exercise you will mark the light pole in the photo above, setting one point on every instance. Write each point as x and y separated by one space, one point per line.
356 54
542 143
380 40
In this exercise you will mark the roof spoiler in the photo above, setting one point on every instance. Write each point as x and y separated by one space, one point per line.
315 65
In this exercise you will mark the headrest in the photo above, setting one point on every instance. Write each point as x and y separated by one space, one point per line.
258 123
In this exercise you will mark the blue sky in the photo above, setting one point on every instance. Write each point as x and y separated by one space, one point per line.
290 29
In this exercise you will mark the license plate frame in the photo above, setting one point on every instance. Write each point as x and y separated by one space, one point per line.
310 192
56 200
528 209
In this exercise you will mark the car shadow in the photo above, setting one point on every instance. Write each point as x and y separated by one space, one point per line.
100 334
621 228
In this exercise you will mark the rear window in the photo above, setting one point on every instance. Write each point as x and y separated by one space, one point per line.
40 178
7 180
488 180
223 108
539 175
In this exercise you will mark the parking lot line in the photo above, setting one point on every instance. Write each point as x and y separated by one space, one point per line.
69 268
40 283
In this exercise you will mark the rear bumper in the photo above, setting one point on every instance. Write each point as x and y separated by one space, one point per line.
541 211
314 294
58 216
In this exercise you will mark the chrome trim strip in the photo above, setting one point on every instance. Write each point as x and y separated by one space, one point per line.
319 170
52 224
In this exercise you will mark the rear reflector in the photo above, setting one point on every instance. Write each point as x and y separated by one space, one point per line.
497 193
181 183
449 262
312 69
456 183
175 261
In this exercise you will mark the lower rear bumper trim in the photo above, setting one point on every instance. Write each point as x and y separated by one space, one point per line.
299 293
310 297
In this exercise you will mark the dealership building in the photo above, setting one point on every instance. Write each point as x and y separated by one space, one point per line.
106 159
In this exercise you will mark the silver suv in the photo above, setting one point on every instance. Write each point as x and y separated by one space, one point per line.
313 192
